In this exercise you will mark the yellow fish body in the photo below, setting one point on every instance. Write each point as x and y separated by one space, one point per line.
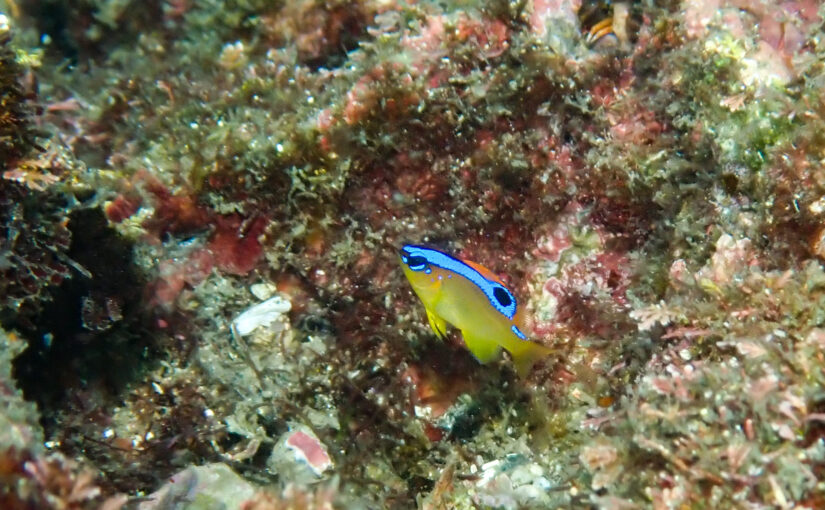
471 298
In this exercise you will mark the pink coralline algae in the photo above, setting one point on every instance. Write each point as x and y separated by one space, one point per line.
553 245
309 449
575 266
545 12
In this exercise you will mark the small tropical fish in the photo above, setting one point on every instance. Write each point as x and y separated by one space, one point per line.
471 298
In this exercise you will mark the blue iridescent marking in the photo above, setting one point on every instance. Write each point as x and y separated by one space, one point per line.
497 294
518 332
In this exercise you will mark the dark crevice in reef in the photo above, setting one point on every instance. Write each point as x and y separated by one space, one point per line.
351 30
51 18
80 31
84 344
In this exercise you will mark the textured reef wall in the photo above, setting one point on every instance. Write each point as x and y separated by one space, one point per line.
201 204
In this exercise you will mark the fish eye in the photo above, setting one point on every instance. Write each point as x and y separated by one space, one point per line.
502 296
416 262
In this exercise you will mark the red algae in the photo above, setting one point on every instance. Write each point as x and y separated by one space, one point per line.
431 391
175 213
122 207
235 243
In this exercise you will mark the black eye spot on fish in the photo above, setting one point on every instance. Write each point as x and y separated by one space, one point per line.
502 296
416 263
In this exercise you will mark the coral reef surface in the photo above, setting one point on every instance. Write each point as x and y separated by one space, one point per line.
202 202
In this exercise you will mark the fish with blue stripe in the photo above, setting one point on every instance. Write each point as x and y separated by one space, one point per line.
472 299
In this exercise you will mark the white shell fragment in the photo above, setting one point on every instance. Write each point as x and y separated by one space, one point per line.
263 290
265 314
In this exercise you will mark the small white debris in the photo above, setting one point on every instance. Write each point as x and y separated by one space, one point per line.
267 314
818 207
423 412
262 291
511 483
488 472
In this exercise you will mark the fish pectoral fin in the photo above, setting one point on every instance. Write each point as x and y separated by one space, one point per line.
483 349
438 324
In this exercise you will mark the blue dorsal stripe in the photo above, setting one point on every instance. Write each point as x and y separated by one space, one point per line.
444 261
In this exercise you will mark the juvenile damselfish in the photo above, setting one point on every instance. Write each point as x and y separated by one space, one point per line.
471 298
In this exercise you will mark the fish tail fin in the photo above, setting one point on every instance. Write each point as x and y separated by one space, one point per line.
527 354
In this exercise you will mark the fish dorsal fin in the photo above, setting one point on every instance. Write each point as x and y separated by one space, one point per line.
486 273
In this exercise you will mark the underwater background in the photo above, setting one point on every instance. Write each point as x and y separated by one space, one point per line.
201 298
